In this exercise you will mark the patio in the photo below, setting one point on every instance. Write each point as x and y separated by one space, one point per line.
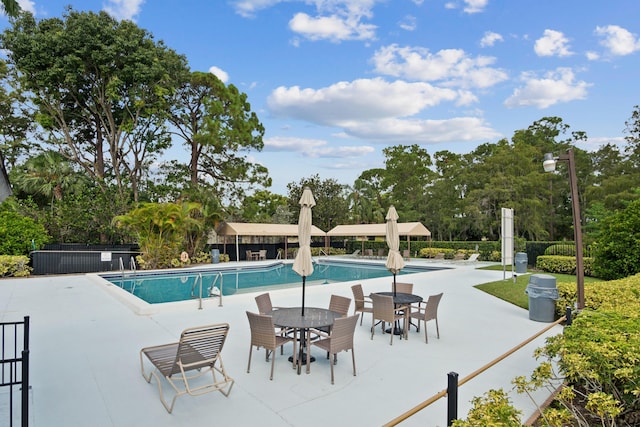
85 365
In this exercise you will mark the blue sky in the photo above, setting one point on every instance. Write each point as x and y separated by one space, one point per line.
336 81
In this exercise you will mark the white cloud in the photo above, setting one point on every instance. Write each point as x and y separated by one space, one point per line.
592 56
617 40
219 73
360 100
408 23
123 9
552 43
452 67
27 5
377 110
457 129
248 8
335 20
475 6
556 86
334 28
490 38
315 147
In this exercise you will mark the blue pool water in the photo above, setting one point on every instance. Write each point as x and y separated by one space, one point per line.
180 285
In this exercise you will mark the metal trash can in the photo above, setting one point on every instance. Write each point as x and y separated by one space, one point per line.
521 262
215 256
543 293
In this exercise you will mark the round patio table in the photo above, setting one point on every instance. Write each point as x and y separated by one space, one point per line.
314 317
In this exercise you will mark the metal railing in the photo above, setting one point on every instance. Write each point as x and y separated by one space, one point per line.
453 384
15 366
198 282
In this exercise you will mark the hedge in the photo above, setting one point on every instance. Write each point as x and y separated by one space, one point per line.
563 264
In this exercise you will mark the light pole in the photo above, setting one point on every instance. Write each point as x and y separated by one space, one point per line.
549 165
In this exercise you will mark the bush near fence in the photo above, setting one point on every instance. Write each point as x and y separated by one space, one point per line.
14 266
597 357
429 248
563 264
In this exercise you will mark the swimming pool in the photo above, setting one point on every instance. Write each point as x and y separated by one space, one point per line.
161 287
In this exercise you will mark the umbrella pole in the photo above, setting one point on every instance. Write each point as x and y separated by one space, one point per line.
303 288
394 284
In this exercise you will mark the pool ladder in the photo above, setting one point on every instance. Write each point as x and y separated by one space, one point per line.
198 282
132 268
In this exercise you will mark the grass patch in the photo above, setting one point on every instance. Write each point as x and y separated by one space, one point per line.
512 292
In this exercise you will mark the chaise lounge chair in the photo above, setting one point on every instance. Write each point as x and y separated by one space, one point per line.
198 349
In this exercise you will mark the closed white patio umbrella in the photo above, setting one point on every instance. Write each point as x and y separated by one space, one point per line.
394 263
303 264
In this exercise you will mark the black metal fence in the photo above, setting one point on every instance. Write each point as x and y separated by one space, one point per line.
78 258
15 369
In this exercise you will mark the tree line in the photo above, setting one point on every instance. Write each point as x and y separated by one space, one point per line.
88 106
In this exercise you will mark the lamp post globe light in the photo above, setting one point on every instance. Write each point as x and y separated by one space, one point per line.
549 165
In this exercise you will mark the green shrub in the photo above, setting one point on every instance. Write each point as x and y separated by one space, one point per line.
433 252
18 234
616 251
14 266
619 295
493 409
563 264
596 357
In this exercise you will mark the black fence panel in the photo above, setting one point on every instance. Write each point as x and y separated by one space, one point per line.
68 258
14 370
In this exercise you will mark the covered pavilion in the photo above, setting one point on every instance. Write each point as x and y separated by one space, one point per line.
237 229
365 230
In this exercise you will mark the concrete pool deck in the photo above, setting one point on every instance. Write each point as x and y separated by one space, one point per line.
85 364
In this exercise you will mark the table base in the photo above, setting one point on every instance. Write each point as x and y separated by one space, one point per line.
303 361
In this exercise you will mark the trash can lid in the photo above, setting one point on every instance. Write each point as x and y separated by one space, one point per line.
542 281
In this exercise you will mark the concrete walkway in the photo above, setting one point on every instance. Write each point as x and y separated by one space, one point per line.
85 364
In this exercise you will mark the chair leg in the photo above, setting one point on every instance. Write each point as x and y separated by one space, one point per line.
353 359
426 338
295 350
331 371
273 362
406 327
249 363
437 328
372 326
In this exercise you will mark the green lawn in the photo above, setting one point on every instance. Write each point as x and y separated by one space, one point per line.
512 292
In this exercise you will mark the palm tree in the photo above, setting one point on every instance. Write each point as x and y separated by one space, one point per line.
160 229
11 7
48 174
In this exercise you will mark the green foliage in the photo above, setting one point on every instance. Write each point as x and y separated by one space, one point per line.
161 231
492 409
19 234
331 206
597 358
14 266
434 252
563 264
219 129
101 87
619 295
616 252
